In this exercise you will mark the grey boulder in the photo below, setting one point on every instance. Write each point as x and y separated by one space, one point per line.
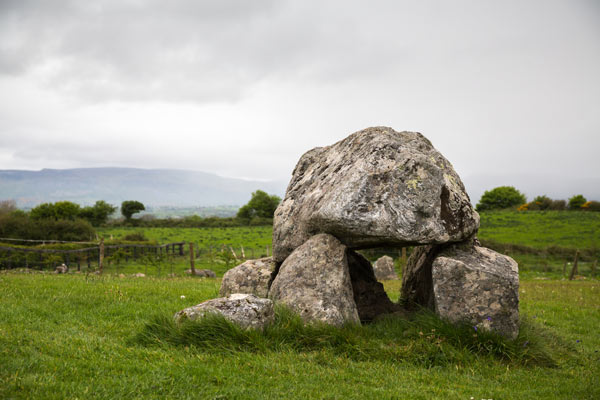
314 281
465 283
377 187
477 285
252 277
245 310
384 269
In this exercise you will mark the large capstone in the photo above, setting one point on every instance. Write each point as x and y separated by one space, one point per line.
314 281
376 188
245 310
252 277
465 283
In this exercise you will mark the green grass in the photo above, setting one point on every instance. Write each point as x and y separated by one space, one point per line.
77 336
537 229
251 237
542 229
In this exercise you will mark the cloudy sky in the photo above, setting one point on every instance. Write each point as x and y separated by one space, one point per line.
508 91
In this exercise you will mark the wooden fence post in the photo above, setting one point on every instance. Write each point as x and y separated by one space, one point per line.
404 255
594 265
565 268
101 255
574 269
192 259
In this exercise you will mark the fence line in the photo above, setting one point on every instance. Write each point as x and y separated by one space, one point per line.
44 241
90 255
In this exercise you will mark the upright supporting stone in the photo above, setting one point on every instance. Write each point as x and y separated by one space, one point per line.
314 281
479 286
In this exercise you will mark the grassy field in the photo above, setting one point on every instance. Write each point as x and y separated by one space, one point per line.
72 336
251 237
538 229
541 229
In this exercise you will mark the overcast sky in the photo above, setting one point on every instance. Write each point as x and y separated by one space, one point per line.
506 90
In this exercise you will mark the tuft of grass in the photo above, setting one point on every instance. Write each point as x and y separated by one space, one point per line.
423 339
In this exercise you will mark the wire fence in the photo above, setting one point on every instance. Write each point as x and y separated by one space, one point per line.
99 256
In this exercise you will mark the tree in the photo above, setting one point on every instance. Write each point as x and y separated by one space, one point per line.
61 210
130 207
576 202
7 206
99 213
261 205
66 210
542 202
499 198
42 211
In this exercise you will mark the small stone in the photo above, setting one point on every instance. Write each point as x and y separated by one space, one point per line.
61 269
205 273
252 277
384 269
245 310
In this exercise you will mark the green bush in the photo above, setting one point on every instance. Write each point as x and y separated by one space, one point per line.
500 198
136 237
20 226
61 210
97 214
576 202
542 202
559 205
591 206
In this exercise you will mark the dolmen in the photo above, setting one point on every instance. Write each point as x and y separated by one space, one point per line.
380 188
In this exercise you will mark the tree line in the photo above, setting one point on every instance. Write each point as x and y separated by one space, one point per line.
504 197
65 220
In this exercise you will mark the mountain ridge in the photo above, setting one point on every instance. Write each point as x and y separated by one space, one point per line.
153 187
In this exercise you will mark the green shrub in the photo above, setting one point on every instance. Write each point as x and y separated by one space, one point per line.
559 205
591 206
540 203
576 202
135 237
500 198
20 226
97 214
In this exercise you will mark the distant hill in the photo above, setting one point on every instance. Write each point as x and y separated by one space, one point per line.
153 187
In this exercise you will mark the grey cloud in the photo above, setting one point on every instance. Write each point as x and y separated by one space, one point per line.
216 50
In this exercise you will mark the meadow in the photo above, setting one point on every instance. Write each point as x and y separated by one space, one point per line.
543 229
76 336
112 336
542 242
